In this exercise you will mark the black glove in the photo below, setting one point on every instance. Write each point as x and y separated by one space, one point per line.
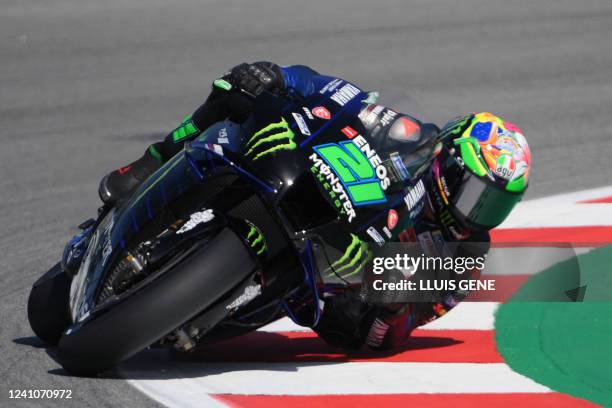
253 79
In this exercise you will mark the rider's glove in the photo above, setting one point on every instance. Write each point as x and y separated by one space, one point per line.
253 79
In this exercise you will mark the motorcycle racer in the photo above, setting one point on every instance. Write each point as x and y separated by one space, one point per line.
479 172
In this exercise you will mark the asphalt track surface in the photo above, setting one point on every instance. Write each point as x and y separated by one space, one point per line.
85 85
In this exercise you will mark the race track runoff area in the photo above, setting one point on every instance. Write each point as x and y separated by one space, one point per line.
482 353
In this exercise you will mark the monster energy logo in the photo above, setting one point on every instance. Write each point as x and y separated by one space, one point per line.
273 138
185 130
256 239
455 126
352 261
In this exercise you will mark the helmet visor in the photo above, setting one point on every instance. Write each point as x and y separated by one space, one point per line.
481 205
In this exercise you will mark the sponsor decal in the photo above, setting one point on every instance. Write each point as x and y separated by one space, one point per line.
299 119
387 232
222 138
349 132
392 219
441 183
388 117
398 165
352 261
308 113
321 112
505 166
335 189
369 115
415 195
331 85
374 159
376 118
250 293
107 246
345 94
375 235
256 239
271 139
215 148
358 167
195 219
456 126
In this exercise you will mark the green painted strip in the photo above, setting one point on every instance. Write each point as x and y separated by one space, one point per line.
223 84
517 185
470 151
563 345
155 153
187 129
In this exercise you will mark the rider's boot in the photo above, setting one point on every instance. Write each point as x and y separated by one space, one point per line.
121 183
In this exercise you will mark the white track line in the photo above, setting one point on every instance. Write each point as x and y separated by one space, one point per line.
562 210
336 379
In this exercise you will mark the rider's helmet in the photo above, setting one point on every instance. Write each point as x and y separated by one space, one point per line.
482 169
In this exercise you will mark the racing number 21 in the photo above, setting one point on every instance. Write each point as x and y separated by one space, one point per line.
354 171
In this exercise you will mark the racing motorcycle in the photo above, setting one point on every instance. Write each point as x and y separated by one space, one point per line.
215 244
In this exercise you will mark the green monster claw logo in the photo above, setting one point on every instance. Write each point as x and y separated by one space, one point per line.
256 239
455 126
272 138
352 261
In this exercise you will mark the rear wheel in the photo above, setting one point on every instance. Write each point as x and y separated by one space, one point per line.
158 308
48 308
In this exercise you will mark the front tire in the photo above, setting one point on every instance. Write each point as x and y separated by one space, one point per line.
158 308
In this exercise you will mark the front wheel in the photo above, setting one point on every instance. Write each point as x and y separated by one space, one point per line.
159 308
48 306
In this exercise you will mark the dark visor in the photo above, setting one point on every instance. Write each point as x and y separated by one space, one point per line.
482 204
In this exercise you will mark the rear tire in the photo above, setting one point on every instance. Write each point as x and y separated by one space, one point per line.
48 307
159 308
